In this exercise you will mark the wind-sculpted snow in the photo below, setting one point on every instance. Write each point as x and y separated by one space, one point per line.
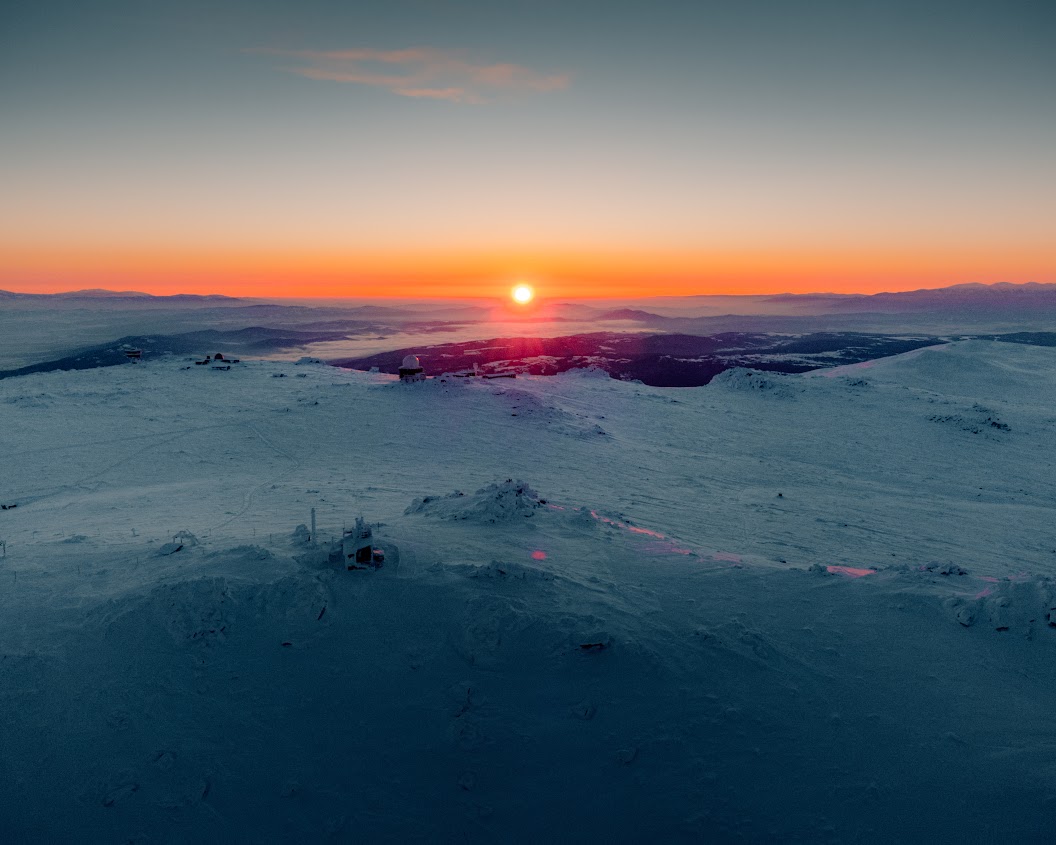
964 368
208 611
531 408
1023 605
770 384
778 608
495 503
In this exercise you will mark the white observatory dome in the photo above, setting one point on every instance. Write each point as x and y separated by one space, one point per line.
410 363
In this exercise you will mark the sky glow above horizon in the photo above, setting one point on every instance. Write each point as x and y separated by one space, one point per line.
453 148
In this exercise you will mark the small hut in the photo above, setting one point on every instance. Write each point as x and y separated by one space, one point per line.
411 369
357 546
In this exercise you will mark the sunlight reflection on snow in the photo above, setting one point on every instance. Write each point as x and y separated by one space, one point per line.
1018 577
664 544
624 525
850 571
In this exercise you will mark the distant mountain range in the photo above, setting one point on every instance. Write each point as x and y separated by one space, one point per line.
1001 294
999 308
84 328
971 295
99 293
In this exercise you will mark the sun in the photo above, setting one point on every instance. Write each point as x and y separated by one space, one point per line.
522 294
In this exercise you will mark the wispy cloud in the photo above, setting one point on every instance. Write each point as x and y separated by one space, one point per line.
422 72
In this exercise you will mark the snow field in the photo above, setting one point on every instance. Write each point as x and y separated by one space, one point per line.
633 638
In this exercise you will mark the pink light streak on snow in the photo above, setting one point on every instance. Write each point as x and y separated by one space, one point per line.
638 530
727 556
850 571
666 546
677 550
1017 578
633 528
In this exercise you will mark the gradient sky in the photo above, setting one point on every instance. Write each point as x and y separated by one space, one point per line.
595 148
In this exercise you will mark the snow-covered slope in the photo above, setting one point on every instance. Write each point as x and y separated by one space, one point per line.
775 608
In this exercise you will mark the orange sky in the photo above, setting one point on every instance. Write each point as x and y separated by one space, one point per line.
629 273
594 149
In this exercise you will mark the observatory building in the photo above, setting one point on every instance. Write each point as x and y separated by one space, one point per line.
411 369
357 547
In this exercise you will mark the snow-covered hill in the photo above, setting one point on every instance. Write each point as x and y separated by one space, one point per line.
777 608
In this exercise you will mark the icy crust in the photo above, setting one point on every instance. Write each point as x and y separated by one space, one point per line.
513 500
207 611
1022 605
529 408
504 501
977 420
591 372
741 379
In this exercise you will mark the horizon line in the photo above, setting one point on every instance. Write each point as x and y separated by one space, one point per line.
501 298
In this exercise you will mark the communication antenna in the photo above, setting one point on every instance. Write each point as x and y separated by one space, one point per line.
312 537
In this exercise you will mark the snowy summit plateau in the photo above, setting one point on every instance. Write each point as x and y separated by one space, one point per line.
780 607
